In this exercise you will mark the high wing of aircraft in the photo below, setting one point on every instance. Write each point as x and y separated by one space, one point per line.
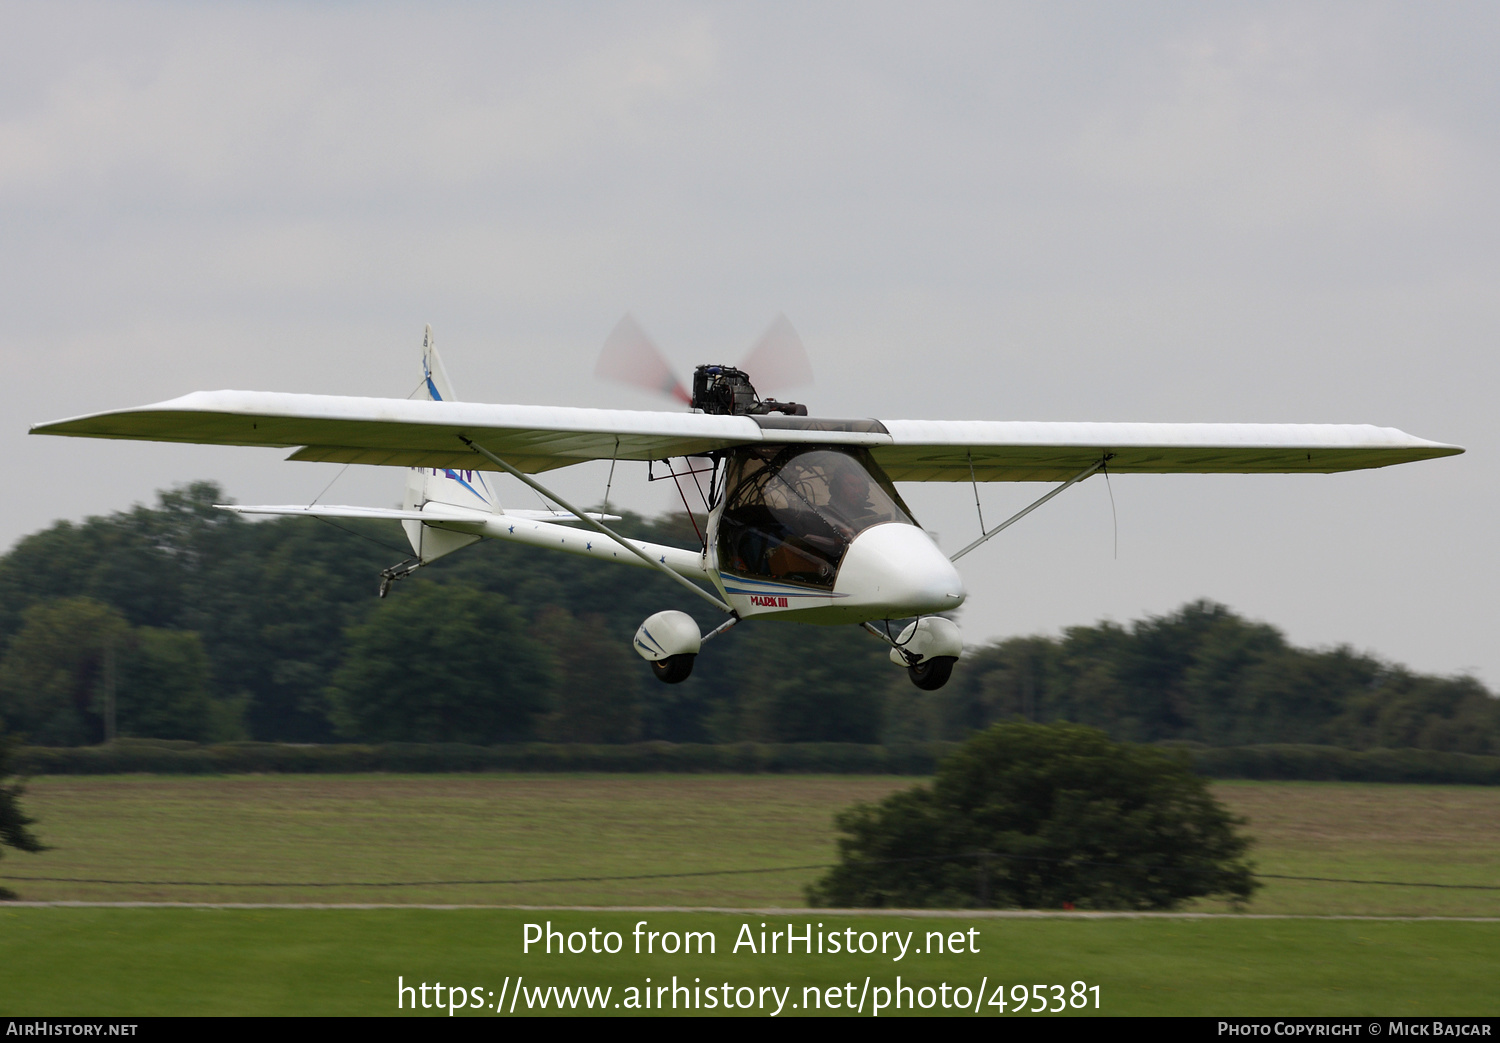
804 519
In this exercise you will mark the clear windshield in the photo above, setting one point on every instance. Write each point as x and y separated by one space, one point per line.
791 511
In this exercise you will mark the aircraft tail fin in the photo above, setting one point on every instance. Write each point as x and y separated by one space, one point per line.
441 485
435 377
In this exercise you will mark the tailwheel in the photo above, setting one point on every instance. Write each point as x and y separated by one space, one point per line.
931 674
674 669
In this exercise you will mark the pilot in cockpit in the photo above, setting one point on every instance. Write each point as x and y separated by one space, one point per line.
849 506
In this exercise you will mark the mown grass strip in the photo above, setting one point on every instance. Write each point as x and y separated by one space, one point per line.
388 830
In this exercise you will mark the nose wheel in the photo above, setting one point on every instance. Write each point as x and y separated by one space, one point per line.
931 674
928 647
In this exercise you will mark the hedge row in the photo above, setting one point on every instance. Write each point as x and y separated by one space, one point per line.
1331 763
186 758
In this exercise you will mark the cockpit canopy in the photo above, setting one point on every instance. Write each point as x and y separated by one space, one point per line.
791 510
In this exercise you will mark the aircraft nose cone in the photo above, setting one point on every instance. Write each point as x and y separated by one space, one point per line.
898 569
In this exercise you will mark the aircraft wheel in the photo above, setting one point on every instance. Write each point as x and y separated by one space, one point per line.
933 674
675 668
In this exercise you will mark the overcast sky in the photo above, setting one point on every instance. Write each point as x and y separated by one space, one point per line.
1171 212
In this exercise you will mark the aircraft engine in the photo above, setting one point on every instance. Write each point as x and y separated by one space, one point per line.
928 648
669 641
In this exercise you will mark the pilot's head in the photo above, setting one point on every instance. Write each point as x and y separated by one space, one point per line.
849 487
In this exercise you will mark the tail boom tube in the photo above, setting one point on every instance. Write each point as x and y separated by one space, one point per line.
572 540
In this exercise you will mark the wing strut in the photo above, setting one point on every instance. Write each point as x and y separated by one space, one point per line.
593 522
1008 522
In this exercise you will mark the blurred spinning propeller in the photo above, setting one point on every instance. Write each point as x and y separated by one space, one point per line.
631 357
777 360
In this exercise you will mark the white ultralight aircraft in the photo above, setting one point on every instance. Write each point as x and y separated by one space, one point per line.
804 521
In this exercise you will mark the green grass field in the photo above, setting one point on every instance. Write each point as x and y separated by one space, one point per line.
284 829
342 961
275 830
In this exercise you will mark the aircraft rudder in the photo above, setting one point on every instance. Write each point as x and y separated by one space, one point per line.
459 488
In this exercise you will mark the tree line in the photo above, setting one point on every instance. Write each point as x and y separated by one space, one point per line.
1204 674
210 627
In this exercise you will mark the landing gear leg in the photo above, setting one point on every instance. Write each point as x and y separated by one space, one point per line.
395 572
